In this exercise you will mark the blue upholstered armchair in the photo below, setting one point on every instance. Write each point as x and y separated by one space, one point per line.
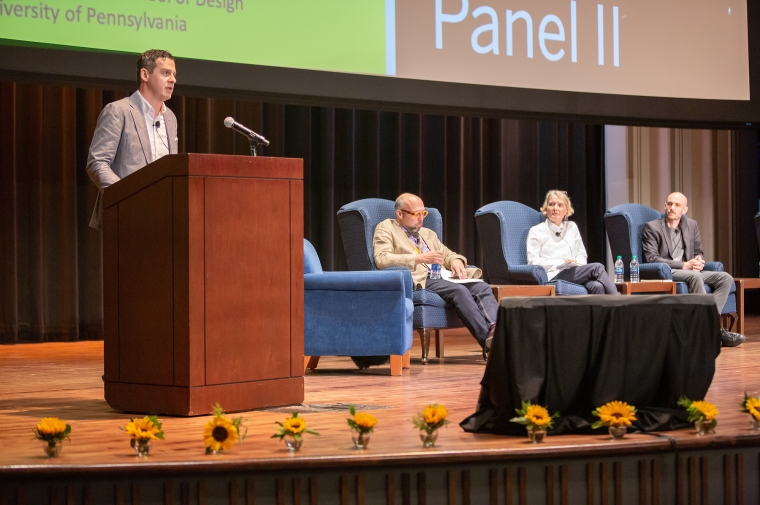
356 313
624 225
357 221
503 230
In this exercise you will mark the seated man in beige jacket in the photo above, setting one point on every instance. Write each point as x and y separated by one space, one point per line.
403 242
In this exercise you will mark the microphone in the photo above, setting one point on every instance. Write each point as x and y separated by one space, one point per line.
557 233
252 135
158 124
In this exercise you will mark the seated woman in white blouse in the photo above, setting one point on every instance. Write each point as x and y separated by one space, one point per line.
557 246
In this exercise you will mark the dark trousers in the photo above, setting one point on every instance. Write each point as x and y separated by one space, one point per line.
473 301
593 276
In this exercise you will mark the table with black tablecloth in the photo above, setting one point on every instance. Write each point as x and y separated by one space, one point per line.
575 353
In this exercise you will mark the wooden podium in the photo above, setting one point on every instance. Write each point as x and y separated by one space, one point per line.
203 285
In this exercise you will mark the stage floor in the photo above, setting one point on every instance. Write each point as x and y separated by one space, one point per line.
64 380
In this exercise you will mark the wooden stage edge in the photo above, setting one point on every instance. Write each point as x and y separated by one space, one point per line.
98 466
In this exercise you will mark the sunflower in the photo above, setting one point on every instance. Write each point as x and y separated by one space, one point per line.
706 409
538 416
534 417
365 421
52 428
433 417
294 424
146 428
220 434
751 405
435 414
615 414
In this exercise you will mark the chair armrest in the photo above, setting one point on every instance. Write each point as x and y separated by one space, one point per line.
655 271
713 266
359 281
408 287
528 274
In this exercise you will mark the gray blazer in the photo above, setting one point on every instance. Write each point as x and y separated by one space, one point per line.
120 146
655 240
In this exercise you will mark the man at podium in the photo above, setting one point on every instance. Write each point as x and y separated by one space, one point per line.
137 130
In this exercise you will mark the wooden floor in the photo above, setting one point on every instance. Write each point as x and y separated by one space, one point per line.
64 380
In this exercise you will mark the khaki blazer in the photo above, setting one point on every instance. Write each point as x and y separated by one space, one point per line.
121 146
394 249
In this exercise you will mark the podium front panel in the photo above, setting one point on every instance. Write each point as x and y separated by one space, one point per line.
247 279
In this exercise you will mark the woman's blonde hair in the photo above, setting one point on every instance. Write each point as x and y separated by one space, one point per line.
562 195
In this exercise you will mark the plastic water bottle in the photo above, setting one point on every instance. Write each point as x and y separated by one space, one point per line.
435 271
635 270
619 270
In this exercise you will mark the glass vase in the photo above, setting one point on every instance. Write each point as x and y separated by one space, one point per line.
703 426
142 447
361 440
617 432
536 435
52 449
292 443
428 439
755 423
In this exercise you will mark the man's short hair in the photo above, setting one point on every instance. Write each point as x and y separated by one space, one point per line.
562 195
147 61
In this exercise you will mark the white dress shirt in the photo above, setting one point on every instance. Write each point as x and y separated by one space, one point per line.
550 250
159 139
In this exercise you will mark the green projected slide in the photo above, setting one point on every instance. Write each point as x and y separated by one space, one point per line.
336 35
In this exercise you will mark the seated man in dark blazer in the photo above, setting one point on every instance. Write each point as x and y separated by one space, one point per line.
675 240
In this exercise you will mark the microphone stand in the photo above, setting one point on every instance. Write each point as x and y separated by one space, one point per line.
254 143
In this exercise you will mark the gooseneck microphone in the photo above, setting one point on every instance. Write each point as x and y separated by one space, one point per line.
252 135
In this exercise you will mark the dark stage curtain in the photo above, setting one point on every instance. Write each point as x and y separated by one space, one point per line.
50 260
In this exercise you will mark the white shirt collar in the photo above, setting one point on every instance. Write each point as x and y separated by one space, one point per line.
147 109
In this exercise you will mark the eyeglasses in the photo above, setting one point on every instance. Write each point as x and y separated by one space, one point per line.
417 213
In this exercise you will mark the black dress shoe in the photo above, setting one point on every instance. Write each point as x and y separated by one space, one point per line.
731 339
487 347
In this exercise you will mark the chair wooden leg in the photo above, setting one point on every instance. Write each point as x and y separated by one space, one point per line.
310 362
396 364
727 321
439 343
425 343
406 362
739 306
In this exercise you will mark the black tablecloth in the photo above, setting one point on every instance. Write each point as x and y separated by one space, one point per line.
575 353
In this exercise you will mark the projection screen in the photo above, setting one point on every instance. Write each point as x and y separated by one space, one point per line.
640 61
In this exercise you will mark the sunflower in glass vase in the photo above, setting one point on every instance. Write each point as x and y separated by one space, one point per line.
616 416
428 421
751 405
221 432
292 430
363 424
536 420
143 432
703 414
52 431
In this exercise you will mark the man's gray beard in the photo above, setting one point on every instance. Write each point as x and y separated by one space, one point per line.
414 232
